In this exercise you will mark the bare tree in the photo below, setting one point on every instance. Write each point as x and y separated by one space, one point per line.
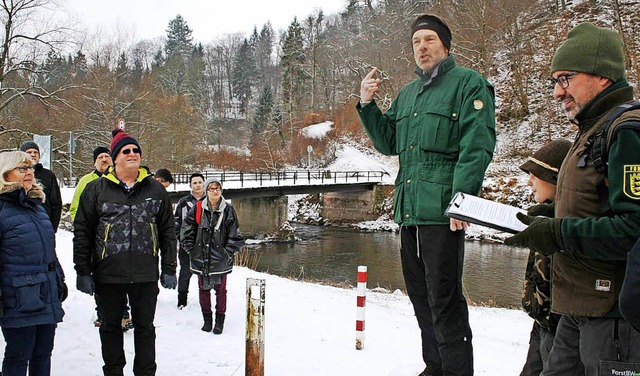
28 35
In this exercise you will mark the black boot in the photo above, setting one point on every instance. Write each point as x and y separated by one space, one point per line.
219 323
182 300
208 321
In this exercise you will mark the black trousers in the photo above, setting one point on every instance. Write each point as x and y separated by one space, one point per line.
28 348
142 298
432 261
185 272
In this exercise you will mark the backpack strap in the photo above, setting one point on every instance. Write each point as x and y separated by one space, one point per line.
198 211
599 149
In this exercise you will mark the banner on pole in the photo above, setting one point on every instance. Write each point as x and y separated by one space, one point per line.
44 143
72 143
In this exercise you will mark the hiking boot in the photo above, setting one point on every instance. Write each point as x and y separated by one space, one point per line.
219 323
208 321
182 300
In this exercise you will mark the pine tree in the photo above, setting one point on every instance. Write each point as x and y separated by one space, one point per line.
264 112
179 39
243 75
292 65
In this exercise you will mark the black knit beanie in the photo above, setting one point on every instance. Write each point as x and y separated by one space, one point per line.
29 145
545 163
99 150
591 49
427 21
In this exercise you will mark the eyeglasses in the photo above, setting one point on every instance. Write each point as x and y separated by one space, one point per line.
214 189
24 169
563 79
127 151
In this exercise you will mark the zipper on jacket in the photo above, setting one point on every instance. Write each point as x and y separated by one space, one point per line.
154 238
418 241
106 236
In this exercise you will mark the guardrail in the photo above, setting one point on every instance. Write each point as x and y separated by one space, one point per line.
284 177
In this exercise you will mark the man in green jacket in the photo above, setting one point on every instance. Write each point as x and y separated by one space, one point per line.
442 128
101 162
597 215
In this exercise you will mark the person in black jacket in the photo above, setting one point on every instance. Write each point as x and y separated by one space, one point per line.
46 177
196 182
123 226
211 236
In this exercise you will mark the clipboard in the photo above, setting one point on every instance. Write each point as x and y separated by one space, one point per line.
483 212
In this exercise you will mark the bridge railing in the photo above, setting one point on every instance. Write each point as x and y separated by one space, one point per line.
286 177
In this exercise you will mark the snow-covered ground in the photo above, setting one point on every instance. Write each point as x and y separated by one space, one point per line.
309 330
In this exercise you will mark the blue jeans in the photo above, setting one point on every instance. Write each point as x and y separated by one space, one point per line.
28 347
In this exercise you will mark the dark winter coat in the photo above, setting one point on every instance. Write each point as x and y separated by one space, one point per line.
587 276
120 234
53 202
213 243
32 278
443 131
182 208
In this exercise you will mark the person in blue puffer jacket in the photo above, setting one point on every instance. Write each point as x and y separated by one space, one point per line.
32 281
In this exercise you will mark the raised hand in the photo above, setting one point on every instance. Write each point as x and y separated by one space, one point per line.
369 86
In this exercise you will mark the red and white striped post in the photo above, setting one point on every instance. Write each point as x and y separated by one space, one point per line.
362 297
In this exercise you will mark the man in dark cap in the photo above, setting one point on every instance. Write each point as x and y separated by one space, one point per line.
597 211
49 181
123 228
101 162
442 128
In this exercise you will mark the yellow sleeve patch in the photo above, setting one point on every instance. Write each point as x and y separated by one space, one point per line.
478 105
632 181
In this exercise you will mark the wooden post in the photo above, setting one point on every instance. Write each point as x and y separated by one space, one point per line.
254 356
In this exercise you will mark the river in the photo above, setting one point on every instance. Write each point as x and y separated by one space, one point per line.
492 273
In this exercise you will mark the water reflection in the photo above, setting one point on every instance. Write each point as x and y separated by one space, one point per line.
492 274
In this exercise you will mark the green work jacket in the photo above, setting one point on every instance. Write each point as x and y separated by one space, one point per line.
442 128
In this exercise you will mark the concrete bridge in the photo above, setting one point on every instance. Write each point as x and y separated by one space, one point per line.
260 198
238 184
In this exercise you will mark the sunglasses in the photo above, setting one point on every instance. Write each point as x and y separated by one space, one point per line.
214 189
128 151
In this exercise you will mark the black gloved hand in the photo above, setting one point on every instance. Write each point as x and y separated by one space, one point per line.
543 234
64 292
168 281
84 283
545 210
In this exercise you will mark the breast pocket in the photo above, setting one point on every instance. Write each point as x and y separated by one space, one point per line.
32 291
439 129
402 130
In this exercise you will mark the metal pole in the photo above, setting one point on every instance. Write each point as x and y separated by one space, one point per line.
361 300
254 356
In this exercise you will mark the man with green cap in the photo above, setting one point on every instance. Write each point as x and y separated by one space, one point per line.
597 213
442 128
